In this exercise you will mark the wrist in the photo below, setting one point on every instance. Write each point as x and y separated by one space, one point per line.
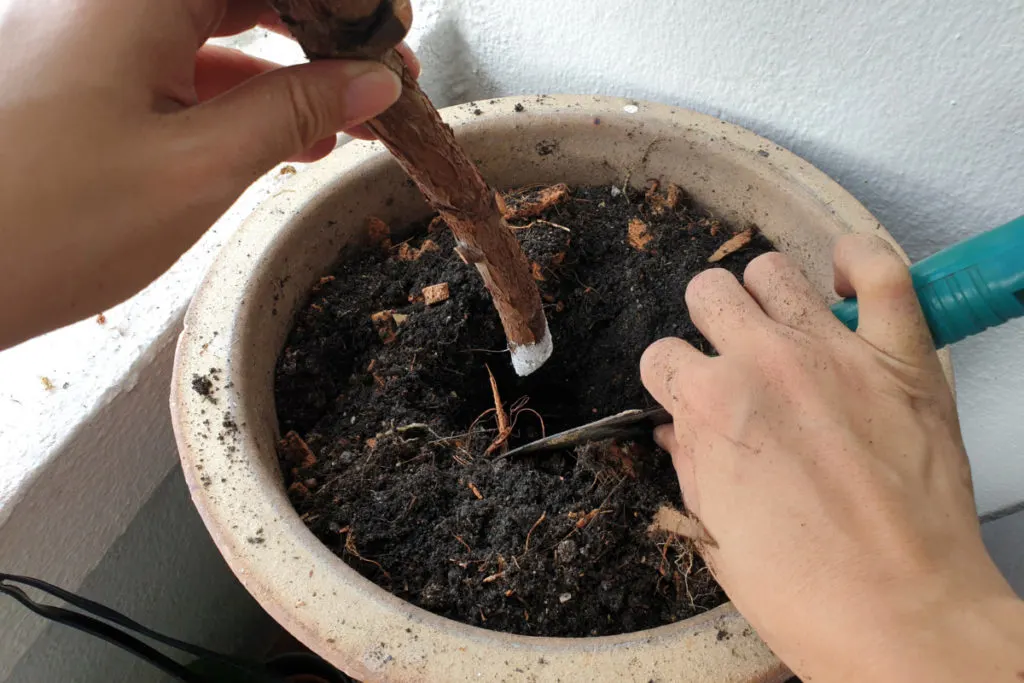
956 631
964 625
982 641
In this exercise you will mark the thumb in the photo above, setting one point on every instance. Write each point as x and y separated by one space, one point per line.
279 114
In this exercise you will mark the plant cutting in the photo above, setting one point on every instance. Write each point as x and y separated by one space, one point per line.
425 147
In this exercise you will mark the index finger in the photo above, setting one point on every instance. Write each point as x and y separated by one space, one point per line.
891 318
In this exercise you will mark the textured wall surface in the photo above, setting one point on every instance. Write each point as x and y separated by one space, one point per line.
914 106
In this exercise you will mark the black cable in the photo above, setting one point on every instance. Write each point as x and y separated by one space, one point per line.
94 626
104 612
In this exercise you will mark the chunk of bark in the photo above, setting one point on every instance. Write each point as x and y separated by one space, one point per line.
407 253
346 29
435 294
734 244
379 232
639 236
295 451
661 203
384 323
668 520
537 203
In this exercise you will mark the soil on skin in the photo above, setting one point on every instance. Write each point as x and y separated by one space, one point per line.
393 462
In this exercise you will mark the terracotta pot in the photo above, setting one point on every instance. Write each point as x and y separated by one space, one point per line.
241 315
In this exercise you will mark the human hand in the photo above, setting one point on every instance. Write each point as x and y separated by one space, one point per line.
828 468
125 137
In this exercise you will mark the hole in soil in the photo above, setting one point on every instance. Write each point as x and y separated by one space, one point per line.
395 461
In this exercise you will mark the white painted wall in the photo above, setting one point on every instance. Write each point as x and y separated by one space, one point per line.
915 106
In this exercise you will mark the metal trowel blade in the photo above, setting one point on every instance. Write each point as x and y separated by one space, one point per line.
625 424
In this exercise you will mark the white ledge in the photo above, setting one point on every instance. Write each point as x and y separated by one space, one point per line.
79 459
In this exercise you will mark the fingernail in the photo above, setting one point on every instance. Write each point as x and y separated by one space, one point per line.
370 88
412 60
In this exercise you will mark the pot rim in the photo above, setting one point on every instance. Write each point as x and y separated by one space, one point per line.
217 305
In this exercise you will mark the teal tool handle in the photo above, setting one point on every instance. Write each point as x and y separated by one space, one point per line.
968 287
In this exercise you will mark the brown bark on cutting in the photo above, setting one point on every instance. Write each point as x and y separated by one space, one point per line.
426 148
346 29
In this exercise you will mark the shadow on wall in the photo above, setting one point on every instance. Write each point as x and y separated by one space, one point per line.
909 208
451 72
165 573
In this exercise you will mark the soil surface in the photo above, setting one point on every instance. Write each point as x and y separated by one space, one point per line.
394 451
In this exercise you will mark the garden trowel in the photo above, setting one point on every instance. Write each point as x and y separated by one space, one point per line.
964 290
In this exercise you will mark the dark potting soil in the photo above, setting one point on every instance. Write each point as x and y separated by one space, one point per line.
393 453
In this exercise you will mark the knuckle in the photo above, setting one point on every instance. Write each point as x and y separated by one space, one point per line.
705 398
887 275
781 349
873 266
700 380
307 117
762 268
654 355
704 284
657 366
660 347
